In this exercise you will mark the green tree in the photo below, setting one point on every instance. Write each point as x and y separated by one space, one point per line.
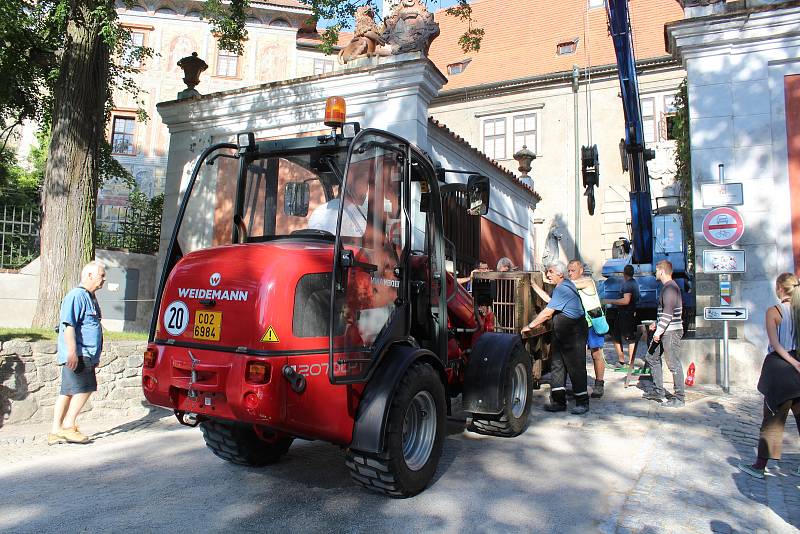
683 166
58 70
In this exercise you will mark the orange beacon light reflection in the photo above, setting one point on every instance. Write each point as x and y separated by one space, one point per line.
335 111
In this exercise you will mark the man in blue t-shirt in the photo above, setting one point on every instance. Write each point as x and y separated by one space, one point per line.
568 350
80 341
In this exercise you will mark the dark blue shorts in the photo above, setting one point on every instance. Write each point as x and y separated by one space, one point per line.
595 340
81 380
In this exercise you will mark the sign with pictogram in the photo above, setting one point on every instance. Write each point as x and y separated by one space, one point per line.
723 226
270 336
722 261
728 194
724 313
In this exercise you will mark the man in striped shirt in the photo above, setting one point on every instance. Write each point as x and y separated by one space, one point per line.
668 333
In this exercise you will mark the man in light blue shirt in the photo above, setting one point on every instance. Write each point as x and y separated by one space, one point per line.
568 349
80 341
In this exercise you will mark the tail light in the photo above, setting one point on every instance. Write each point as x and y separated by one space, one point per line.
149 383
251 401
150 356
257 372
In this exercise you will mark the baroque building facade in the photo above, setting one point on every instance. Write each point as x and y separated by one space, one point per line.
553 87
280 45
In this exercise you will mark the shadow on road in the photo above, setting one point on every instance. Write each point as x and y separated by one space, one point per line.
562 475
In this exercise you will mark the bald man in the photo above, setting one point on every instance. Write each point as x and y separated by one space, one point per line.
80 341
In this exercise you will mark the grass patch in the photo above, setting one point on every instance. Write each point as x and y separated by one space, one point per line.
38 334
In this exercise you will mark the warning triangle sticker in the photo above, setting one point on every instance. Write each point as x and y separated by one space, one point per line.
270 336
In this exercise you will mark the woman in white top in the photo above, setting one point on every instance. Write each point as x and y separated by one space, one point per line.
780 375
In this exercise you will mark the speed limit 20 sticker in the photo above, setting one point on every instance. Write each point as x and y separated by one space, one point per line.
176 318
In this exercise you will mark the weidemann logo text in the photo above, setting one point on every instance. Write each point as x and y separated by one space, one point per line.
216 294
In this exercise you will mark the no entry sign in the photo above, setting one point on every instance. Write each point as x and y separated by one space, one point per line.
723 226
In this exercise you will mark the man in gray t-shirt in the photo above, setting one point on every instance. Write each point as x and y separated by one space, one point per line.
668 332
624 330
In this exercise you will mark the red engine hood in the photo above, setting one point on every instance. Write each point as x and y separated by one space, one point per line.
248 289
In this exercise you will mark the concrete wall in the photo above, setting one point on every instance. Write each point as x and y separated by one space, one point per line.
736 65
124 308
554 168
30 381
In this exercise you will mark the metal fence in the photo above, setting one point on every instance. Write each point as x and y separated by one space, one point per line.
129 231
19 236
126 230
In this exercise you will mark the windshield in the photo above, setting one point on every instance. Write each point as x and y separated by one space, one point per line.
668 233
280 196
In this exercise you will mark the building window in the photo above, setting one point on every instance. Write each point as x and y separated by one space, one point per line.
227 64
122 135
322 66
132 54
667 130
458 67
649 119
525 132
567 47
494 138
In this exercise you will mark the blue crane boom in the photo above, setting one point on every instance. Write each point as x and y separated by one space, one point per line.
635 153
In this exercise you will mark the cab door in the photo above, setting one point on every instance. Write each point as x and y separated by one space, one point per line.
368 282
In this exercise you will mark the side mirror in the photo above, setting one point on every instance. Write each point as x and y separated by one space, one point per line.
478 194
295 199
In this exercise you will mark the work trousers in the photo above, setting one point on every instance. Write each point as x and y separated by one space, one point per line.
669 351
770 439
568 356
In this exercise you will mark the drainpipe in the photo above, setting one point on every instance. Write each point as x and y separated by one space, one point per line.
575 87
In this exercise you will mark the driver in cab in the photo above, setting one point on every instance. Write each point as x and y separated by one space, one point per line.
354 214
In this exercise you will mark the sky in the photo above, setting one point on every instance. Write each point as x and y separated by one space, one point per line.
432 5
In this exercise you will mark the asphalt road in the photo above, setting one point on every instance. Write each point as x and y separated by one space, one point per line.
554 477
627 467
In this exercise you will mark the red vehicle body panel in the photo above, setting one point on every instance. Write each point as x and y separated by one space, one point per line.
268 273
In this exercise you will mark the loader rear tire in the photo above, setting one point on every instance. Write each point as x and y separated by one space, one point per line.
239 444
513 420
414 438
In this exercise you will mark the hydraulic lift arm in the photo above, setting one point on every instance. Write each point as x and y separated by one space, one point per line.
634 152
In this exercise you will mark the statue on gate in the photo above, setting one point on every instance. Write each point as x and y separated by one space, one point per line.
410 28
366 38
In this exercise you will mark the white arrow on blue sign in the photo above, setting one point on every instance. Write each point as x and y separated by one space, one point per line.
725 313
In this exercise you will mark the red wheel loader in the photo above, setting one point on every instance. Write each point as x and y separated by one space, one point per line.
304 295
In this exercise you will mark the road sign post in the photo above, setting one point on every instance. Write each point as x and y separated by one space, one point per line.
725 314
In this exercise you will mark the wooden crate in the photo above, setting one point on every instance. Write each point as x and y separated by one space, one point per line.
515 305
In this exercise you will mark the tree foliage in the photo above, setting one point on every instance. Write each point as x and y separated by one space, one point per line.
683 165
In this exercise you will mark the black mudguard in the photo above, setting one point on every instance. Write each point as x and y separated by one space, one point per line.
485 375
369 430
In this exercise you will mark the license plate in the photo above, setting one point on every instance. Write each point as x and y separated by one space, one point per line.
207 325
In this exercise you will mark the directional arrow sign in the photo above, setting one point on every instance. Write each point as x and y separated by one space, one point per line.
725 313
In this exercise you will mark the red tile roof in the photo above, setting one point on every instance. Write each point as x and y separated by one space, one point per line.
521 37
511 176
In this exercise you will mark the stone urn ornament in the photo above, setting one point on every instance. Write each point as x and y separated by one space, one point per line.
192 67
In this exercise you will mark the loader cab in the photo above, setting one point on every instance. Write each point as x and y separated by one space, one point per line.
389 256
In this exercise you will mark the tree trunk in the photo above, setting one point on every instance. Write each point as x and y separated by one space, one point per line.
69 191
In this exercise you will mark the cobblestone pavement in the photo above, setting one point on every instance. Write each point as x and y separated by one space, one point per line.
630 466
